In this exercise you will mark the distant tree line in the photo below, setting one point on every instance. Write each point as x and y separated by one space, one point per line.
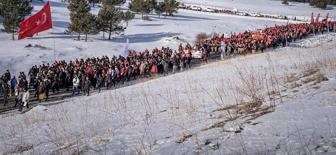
144 7
109 19
318 3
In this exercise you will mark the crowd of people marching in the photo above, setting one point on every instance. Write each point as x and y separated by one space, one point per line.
82 75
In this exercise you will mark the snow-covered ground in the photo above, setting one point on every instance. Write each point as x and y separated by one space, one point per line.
205 110
181 113
274 7
142 34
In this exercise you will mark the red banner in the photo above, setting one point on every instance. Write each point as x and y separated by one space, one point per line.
39 22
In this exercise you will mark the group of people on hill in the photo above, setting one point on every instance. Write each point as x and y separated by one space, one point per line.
81 75
272 37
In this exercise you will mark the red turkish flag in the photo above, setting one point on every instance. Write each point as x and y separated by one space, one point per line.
39 22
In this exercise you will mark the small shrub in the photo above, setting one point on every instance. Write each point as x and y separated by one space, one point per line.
201 36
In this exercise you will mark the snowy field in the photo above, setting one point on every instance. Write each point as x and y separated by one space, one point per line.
142 34
184 113
274 7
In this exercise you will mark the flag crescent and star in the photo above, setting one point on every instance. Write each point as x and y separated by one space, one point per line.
39 22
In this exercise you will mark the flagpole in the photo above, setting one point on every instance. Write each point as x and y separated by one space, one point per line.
54 48
53 33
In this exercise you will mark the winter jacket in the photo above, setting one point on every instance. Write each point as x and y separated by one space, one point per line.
13 82
100 81
87 84
113 75
2 87
75 82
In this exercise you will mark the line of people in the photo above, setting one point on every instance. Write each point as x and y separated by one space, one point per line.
81 75
18 88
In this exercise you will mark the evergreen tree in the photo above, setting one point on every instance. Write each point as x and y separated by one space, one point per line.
93 2
79 9
89 26
318 3
152 4
285 2
321 4
136 5
113 2
14 12
141 6
159 8
109 19
1 8
171 7
127 16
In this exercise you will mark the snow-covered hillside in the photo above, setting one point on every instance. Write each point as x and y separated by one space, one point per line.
142 34
278 102
264 6
190 112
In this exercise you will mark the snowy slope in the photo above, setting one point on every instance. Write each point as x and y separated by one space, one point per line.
153 117
142 34
173 115
264 6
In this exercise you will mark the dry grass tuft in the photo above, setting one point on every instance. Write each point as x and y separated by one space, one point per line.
184 138
19 149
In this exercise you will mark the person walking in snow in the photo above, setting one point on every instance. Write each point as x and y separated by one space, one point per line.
13 83
114 76
75 85
40 91
7 76
175 62
223 50
55 84
165 66
47 86
87 85
100 81
4 90
1 86
18 100
25 98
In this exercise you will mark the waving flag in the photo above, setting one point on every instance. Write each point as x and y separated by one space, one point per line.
39 22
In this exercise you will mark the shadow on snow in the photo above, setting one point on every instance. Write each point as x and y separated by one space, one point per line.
54 35
179 17
148 25
143 38
60 24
